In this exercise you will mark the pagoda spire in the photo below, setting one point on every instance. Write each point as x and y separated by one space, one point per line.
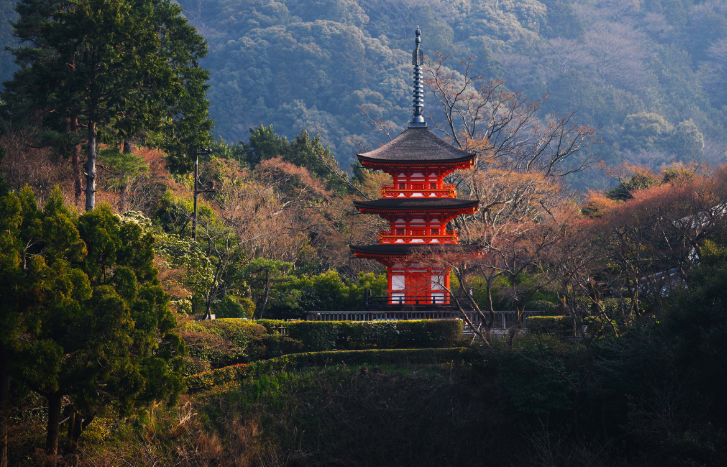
417 60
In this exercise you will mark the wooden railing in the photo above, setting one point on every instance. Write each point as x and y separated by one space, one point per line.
391 191
388 237
408 301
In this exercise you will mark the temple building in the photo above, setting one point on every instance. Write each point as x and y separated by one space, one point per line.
418 206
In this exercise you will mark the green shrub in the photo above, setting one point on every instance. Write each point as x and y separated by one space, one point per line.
234 307
212 378
548 308
223 342
277 345
317 336
559 325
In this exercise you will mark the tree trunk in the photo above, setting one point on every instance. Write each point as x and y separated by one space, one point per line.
128 146
4 406
208 312
91 167
80 424
76 162
55 402
71 423
267 294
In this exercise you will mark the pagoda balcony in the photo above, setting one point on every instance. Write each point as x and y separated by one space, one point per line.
390 191
450 236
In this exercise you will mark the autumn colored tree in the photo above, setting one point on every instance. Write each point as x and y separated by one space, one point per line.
652 240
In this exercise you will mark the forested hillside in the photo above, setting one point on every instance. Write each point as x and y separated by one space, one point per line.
647 74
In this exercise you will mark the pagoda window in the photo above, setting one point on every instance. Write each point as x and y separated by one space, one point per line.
435 231
433 186
402 186
400 231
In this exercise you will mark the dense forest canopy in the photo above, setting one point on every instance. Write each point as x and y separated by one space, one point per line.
646 74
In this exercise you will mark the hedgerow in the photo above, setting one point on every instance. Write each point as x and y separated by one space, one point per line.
317 336
559 325
212 378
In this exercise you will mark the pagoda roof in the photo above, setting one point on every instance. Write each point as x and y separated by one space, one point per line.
416 145
417 204
405 249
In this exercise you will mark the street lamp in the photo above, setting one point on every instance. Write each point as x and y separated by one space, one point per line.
197 191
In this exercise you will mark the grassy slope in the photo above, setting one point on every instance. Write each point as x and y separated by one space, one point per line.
326 416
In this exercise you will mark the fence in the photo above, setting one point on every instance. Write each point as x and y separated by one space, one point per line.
503 319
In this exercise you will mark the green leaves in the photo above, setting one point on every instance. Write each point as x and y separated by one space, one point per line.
83 293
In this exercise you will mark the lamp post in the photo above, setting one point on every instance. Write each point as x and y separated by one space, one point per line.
197 191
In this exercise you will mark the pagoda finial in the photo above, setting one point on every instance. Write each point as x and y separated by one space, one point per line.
417 60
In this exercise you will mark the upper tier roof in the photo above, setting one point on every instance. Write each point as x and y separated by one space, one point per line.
416 144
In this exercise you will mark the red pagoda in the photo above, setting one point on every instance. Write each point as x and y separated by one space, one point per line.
418 206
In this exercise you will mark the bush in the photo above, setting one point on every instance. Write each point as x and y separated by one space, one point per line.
559 325
317 336
221 342
234 307
212 378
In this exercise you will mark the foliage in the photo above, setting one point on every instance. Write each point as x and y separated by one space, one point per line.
133 69
606 62
350 335
85 295
301 361
222 342
558 325
324 292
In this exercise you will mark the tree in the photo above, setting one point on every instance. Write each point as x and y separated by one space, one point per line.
116 68
262 274
688 142
95 323
502 126
645 131
648 243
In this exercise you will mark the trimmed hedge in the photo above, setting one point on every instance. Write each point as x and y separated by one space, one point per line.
318 336
212 378
560 325
563 325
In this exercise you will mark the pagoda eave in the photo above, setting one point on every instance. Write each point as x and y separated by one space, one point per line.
384 211
463 163
387 206
399 252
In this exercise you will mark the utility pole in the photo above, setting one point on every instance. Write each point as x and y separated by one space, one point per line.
197 191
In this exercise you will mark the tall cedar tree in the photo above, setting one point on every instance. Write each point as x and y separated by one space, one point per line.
83 313
118 68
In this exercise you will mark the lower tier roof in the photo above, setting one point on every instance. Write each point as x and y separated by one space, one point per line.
417 204
406 249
